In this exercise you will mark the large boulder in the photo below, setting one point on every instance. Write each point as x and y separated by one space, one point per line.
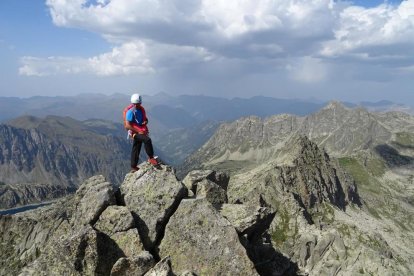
27 236
129 242
211 191
193 177
118 223
199 239
115 219
137 265
92 197
152 195
249 220
65 242
162 268
85 252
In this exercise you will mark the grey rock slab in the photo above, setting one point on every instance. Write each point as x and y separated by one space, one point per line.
129 242
94 195
136 266
152 194
199 239
188 273
162 268
115 219
209 190
195 176
82 252
248 219
85 252
321 248
304 249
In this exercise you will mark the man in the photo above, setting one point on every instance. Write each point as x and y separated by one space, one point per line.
136 122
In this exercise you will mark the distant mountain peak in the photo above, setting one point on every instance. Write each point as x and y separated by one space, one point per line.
335 105
293 148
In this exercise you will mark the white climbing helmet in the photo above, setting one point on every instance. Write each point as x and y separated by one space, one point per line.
136 99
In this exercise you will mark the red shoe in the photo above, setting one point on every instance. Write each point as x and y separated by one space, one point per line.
134 169
153 161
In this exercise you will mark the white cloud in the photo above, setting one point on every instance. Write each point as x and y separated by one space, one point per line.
197 19
308 70
372 32
296 34
129 58
33 66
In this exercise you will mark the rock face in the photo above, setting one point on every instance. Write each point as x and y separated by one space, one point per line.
302 170
308 190
313 176
22 194
48 158
193 177
152 196
250 221
208 243
147 227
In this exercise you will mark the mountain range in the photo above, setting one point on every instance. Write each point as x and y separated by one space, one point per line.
167 111
340 130
184 115
47 158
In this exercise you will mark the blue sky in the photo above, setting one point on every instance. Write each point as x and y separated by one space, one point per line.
344 50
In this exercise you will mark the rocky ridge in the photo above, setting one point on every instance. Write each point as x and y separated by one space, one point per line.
318 206
340 130
273 158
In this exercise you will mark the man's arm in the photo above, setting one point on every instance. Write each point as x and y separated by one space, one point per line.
134 129
129 126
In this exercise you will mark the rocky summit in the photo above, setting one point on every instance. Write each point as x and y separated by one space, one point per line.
150 225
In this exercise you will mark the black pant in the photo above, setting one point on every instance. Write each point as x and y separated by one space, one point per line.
136 148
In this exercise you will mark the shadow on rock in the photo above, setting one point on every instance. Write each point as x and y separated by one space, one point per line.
110 251
392 157
268 261
144 234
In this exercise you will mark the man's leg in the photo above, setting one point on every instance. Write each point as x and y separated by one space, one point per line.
136 148
148 144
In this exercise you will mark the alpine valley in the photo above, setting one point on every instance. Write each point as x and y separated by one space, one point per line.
329 193
42 159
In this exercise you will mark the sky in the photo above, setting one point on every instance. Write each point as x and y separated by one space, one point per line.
307 49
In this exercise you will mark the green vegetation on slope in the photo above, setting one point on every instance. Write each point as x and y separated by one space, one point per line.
280 234
325 214
405 139
365 178
361 173
376 167
358 172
